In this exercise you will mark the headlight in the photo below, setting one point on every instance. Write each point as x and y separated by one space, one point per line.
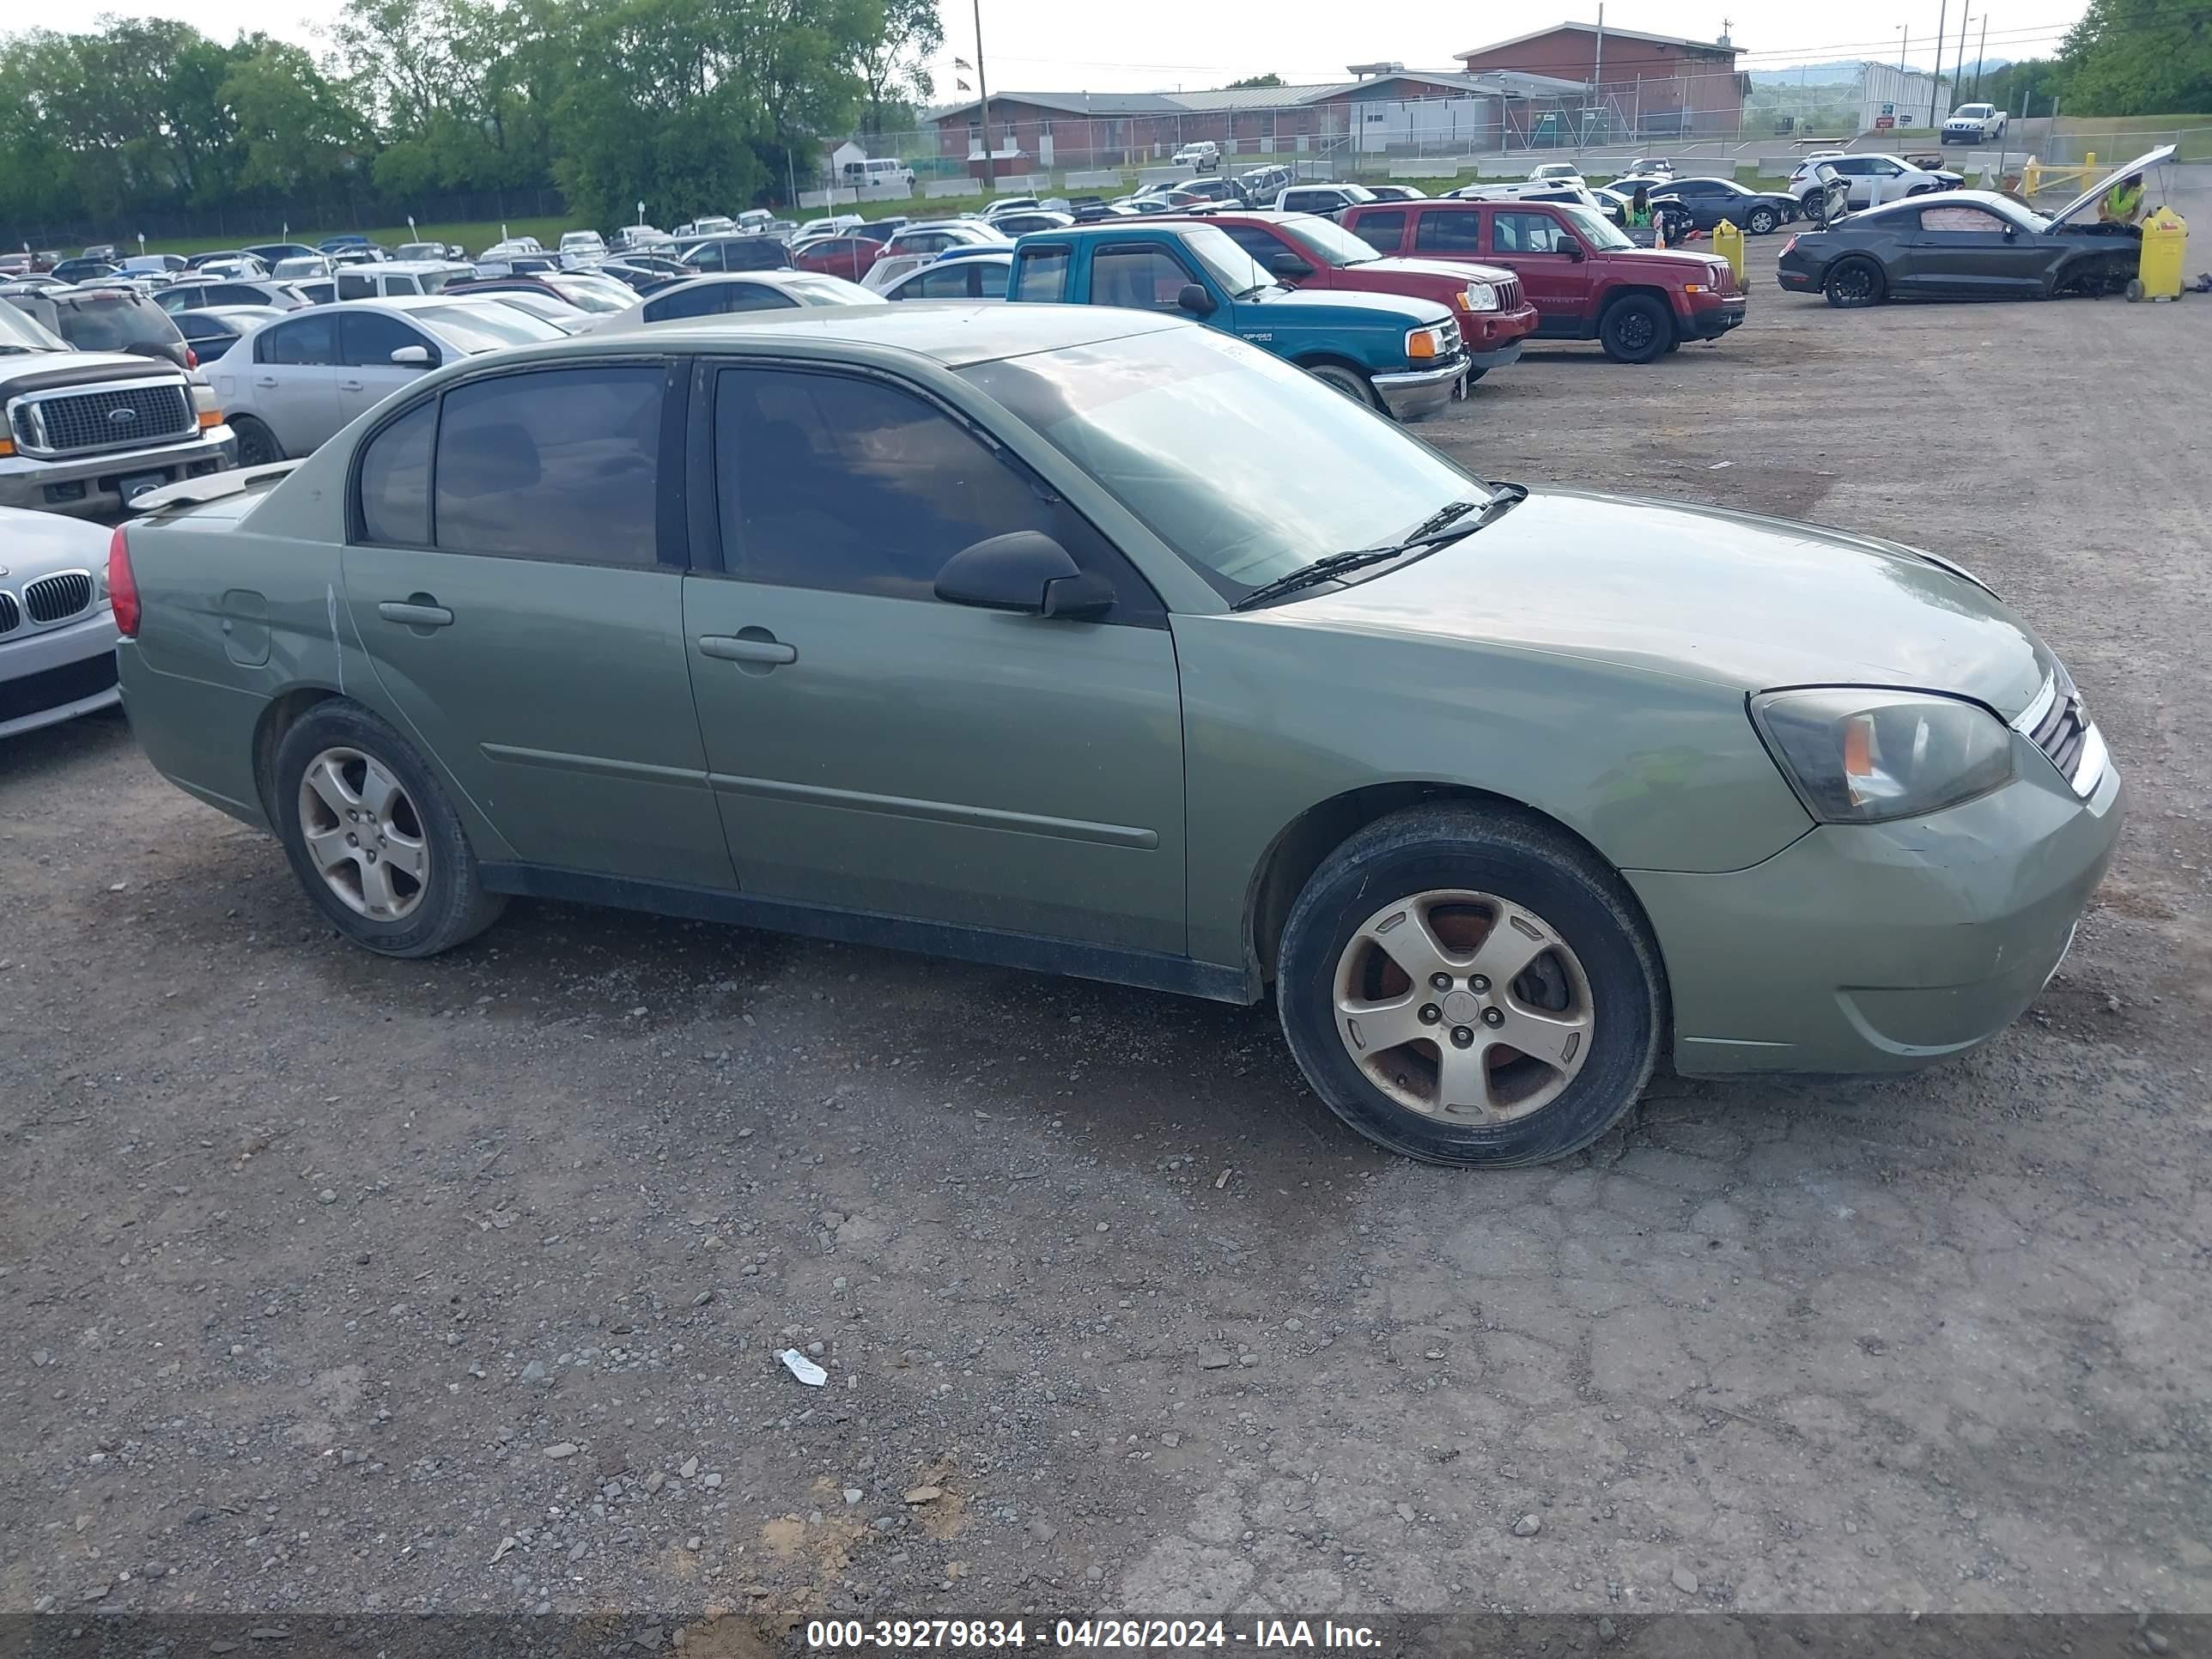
1424 343
1479 296
1860 755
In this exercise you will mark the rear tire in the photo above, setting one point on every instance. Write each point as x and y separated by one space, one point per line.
345 784
1430 1070
1854 283
256 444
1354 384
1635 328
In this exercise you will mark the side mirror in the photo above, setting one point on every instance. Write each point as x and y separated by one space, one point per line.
414 357
1195 300
1288 266
1574 251
1025 571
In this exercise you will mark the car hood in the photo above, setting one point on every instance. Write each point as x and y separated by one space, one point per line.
1458 274
34 544
2134 169
1662 262
1348 305
1733 599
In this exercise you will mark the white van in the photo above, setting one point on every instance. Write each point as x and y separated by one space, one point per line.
880 170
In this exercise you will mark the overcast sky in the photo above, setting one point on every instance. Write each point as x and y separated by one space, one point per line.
1139 45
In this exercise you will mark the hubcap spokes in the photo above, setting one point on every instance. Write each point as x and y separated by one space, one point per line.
1463 1006
363 835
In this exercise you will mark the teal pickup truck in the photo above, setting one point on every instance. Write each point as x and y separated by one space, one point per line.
1387 351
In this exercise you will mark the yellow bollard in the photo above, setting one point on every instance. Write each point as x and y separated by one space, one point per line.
1727 242
2165 247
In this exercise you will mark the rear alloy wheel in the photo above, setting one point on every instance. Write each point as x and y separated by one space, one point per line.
372 837
1501 1007
1635 328
1854 282
256 444
1350 381
1761 220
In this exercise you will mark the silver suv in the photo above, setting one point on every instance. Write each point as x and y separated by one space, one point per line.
88 431
1870 176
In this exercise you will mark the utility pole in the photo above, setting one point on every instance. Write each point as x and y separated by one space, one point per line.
983 86
1901 45
1981 57
1597 77
1936 81
1959 58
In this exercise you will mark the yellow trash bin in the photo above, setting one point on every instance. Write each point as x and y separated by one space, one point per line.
1727 242
2164 250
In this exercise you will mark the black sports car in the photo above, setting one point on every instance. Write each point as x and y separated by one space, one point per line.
1709 201
1968 244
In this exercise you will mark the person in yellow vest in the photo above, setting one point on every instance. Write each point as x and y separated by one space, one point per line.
2123 203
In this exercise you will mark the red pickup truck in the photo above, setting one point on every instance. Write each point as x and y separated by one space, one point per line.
1586 279
1305 251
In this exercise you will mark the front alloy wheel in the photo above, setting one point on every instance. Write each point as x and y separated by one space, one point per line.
1762 220
1464 1006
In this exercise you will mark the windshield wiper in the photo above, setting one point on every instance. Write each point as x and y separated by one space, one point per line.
1442 526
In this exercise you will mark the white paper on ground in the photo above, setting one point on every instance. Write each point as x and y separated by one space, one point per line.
802 1368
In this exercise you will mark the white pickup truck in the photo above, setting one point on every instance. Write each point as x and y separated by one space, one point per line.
1974 123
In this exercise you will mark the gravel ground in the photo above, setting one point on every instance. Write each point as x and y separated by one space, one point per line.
334 1283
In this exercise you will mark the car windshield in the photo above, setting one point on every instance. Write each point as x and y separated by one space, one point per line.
1595 228
1246 465
114 322
1973 111
480 327
434 281
592 296
829 291
20 332
1228 264
1330 243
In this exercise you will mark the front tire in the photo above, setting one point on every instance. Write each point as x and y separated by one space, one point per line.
1471 988
1635 328
372 835
1342 377
1854 283
1761 220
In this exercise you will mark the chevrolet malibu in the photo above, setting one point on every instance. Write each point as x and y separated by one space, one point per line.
1089 642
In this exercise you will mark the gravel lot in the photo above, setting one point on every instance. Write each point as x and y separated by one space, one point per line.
334 1283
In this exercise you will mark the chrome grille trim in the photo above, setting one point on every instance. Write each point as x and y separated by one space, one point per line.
59 597
74 420
2055 723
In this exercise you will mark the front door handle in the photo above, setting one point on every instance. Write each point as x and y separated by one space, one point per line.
415 614
755 645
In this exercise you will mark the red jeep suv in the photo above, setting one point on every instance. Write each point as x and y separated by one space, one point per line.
1586 279
1305 251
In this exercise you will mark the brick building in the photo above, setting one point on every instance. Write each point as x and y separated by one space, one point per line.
1393 108
1650 85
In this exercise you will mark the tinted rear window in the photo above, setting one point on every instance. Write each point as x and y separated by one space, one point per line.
395 480
101 322
1382 231
558 464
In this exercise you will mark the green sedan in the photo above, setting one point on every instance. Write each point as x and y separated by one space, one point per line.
1092 642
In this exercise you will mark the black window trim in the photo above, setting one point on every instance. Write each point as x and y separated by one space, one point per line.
670 514
1146 608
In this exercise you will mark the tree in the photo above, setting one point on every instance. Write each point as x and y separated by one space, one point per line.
1270 79
297 130
893 61
2139 57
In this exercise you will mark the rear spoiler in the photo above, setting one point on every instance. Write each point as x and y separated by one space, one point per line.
212 487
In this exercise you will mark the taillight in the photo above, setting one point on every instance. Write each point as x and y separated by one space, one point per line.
1788 245
122 586
192 358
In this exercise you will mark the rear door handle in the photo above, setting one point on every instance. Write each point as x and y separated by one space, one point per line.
415 615
349 385
266 381
757 647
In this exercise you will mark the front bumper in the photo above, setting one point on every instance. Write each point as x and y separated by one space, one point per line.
58 674
1498 358
90 486
1421 392
1882 948
1710 322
